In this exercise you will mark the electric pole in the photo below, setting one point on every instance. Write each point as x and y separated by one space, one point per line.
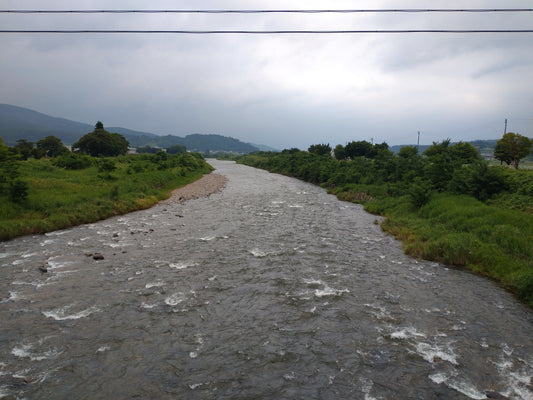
418 143
505 128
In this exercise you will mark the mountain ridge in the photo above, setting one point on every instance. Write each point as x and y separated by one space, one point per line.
23 123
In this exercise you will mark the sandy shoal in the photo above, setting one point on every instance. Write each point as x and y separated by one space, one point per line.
203 187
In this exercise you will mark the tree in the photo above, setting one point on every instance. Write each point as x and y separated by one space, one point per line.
465 153
9 175
320 149
101 143
339 152
511 148
361 148
24 148
51 146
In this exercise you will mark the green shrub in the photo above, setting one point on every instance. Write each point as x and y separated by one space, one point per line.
419 193
18 191
72 161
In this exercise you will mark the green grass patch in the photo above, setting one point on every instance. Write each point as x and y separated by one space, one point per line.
59 198
462 231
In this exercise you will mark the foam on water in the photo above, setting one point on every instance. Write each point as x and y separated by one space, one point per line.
13 296
328 291
258 253
182 265
24 351
380 312
60 314
407 333
439 377
154 284
466 388
200 344
433 352
175 299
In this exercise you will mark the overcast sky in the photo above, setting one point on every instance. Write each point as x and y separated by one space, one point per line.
279 90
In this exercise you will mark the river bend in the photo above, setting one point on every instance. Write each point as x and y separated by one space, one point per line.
270 289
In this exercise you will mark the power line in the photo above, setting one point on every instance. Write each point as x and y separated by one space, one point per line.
266 32
395 10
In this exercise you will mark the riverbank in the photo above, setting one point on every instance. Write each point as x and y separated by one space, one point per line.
490 235
60 198
203 187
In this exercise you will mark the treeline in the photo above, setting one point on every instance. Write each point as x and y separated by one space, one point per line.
456 168
62 188
447 204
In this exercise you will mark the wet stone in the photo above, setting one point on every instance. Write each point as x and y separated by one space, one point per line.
496 396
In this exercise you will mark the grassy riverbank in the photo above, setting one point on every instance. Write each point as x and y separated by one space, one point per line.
461 219
59 197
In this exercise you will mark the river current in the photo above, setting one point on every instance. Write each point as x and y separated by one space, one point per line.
270 289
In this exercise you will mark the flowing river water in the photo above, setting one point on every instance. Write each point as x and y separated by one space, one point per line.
270 289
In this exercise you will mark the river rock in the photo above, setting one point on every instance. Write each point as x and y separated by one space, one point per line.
98 256
496 396
43 268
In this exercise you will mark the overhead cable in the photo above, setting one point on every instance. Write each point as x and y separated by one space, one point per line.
395 10
267 32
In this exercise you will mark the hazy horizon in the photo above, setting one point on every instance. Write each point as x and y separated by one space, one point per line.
278 90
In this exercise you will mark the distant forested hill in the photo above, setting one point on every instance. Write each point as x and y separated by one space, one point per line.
22 123
485 147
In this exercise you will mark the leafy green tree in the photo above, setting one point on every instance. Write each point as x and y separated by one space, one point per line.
293 150
101 143
339 152
10 184
439 167
465 153
511 148
320 149
408 152
360 148
410 163
443 159
478 180
51 146
24 148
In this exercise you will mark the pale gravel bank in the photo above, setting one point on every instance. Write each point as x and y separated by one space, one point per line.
203 187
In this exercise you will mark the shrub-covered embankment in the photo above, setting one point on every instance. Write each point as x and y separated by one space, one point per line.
443 205
50 194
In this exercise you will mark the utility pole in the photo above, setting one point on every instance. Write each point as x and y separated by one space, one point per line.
505 128
418 143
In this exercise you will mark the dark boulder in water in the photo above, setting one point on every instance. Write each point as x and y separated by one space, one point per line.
98 256
496 396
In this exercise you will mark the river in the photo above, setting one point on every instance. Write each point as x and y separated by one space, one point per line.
270 289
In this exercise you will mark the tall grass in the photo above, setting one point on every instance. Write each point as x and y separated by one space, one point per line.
462 231
59 198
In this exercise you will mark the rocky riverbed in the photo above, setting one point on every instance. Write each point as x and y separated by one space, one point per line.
203 187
